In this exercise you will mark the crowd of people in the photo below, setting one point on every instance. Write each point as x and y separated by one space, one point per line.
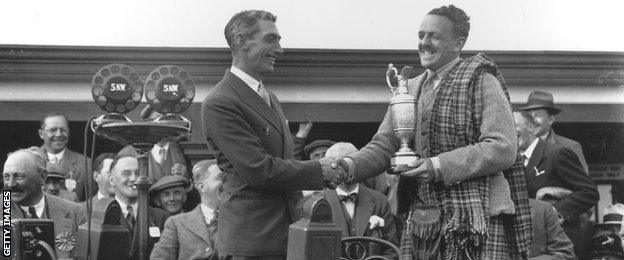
489 182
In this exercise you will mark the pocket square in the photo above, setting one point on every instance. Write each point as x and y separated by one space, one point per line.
537 172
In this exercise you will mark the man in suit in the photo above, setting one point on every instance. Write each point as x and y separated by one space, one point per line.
245 125
466 144
24 175
541 106
358 210
54 132
192 235
124 172
549 239
548 169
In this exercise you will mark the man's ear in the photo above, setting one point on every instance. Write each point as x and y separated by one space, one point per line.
241 41
111 180
41 134
459 44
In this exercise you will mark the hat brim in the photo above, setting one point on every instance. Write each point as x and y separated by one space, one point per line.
551 110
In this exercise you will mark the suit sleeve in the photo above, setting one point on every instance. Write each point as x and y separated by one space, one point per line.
578 150
495 150
374 158
584 193
558 244
298 147
168 245
236 139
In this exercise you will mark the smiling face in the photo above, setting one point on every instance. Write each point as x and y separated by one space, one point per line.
171 199
122 178
23 179
525 130
438 44
54 134
260 50
543 121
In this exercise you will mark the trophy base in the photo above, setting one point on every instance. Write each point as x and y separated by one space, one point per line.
402 159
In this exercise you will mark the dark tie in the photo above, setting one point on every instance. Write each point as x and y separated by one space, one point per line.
264 94
130 218
32 212
351 197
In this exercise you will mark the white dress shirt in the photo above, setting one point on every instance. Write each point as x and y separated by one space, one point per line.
209 214
529 151
249 80
39 207
349 205
156 152
124 208
56 158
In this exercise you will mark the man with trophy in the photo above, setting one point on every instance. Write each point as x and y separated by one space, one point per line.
461 187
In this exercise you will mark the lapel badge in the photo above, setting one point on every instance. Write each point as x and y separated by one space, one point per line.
537 172
266 130
64 241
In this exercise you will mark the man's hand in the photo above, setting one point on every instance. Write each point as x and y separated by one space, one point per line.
333 174
304 129
421 169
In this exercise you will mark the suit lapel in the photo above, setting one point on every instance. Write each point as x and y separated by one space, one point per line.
59 215
194 221
337 213
362 212
253 100
536 157
287 143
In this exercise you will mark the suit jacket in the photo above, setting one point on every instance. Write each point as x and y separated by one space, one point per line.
67 216
174 155
75 162
557 166
186 236
156 218
261 186
369 203
549 239
575 146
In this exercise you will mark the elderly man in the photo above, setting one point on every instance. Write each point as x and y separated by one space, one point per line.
192 235
541 106
124 172
169 193
54 132
246 127
456 195
24 175
358 210
554 173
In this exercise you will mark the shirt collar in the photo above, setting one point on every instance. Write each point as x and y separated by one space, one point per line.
442 71
100 195
249 80
529 151
39 207
340 191
59 156
209 214
124 207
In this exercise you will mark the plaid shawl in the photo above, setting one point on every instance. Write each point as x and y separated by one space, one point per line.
456 120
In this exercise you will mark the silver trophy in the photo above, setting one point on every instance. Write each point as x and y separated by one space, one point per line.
403 116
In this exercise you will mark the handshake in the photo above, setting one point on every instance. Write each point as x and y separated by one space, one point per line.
335 171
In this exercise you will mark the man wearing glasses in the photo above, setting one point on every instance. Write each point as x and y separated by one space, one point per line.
54 132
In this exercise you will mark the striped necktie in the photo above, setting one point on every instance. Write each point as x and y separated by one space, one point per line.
264 94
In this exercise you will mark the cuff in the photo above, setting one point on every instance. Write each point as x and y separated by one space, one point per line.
436 168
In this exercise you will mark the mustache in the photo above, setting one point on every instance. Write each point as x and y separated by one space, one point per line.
14 188
426 47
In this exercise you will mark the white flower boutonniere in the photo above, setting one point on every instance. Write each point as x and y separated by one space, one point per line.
375 221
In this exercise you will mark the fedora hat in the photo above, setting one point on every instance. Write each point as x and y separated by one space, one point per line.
540 99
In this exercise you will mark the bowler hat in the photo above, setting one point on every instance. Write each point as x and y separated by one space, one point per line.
56 171
317 143
168 182
540 99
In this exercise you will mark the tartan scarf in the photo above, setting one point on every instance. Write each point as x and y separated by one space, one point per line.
455 122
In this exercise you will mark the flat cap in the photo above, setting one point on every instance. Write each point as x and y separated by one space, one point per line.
168 182
56 171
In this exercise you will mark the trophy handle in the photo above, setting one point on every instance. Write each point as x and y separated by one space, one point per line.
392 72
